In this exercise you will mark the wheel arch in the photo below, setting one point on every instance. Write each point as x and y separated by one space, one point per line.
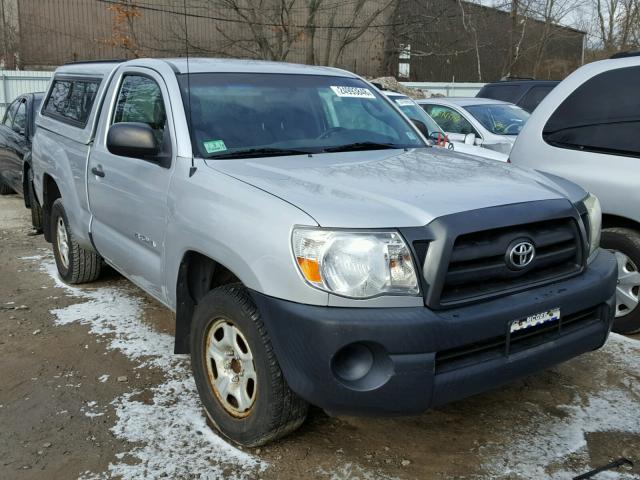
612 221
50 193
198 274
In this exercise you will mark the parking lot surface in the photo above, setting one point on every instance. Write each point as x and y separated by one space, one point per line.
90 389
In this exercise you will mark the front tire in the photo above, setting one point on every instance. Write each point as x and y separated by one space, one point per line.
75 264
625 245
236 371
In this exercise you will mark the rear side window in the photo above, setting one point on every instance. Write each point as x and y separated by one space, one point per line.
70 100
506 93
533 97
602 115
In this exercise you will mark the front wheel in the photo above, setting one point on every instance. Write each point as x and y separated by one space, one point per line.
75 264
625 245
236 371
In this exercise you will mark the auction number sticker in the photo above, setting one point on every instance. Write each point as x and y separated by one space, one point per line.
353 92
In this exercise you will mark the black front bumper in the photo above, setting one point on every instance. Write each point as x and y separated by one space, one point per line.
392 361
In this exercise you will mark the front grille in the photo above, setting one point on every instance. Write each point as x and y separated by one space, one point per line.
509 344
478 267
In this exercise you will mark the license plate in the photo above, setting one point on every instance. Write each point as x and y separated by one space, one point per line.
535 320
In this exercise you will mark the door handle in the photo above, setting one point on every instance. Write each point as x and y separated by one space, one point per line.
97 171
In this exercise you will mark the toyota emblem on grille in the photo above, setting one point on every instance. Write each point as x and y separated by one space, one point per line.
520 254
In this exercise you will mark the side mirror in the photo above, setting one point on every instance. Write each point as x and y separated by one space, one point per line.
130 139
421 126
470 139
439 138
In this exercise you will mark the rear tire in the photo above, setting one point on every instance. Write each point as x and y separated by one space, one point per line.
625 244
227 328
36 209
75 264
5 189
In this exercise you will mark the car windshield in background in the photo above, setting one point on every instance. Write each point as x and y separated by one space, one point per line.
242 115
412 110
499 119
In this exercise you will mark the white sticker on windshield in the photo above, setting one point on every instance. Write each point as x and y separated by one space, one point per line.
353 92
404 102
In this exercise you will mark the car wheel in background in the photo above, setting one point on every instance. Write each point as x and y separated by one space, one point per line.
236 371
75 264
5 189
625 245
36 209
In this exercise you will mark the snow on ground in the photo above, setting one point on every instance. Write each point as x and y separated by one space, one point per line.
544 439
171 435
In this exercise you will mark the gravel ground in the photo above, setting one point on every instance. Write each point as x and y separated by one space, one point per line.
90 389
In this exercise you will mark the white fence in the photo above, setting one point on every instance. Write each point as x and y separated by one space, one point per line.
14 83
447 89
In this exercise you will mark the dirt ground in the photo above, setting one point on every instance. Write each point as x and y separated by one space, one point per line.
89 389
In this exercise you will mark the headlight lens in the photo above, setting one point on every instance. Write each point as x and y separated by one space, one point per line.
355 264
595 222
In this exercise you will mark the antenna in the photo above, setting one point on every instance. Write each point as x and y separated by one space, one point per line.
193 168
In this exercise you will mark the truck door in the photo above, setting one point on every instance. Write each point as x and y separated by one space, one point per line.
128 196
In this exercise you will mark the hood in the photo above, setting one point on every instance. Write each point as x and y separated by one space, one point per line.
390 188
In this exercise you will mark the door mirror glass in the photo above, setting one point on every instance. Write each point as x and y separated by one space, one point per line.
470 139
132 139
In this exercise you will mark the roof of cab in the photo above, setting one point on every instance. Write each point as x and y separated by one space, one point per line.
463 101
205 65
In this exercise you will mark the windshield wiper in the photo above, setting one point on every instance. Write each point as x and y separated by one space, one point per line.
353 147
259 152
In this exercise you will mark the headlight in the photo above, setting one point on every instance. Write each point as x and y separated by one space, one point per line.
355 264
595 222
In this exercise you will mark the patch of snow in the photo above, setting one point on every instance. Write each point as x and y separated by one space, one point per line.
33 257
103 378
171 435
352 471
547 438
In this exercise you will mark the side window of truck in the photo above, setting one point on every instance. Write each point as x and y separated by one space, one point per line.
602 115
449 120
11 111
71 100
140 100
20 120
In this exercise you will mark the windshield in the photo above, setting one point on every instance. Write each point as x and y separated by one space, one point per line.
236 115
499 119
412 110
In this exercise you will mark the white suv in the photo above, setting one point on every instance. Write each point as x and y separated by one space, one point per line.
588 130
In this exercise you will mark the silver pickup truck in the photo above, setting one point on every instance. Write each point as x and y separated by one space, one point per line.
314 248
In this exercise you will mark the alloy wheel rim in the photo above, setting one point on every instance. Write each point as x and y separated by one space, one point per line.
628 288
62 239
230 368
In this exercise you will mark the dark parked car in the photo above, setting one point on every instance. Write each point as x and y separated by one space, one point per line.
16 133
527 94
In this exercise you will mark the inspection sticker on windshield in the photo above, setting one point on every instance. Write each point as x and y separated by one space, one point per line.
353 92
535 320
213 146
404 102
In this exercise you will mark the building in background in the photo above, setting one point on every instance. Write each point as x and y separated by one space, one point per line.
435 40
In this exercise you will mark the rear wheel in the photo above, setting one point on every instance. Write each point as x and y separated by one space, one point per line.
625 245
36 209
75 264
237 374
